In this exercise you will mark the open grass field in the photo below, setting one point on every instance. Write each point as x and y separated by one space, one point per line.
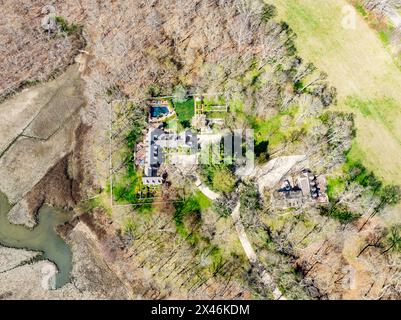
360 67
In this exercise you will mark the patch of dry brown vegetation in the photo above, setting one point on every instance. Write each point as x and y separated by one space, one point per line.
29 54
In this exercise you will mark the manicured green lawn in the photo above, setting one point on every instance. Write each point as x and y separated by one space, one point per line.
185 110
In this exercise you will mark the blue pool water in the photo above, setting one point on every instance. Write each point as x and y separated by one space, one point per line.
156 112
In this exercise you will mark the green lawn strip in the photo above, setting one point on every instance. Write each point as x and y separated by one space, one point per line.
209 101
185 110
385 36
335 186
204 202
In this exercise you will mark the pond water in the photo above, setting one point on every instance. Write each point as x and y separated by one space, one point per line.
156 112
42 238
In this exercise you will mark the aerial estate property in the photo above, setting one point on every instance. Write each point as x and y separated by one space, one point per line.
163 144
200 150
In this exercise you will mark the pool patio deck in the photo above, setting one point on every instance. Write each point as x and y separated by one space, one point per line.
160 103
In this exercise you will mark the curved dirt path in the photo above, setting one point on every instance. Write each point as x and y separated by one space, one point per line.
246 244
251 254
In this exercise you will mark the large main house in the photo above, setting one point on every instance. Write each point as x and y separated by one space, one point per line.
160 142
